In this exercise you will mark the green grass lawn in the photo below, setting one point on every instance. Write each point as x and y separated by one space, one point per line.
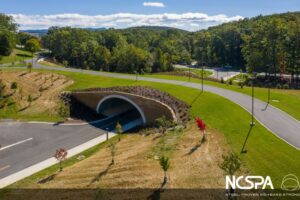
17 55
198 72
50 64
12 112
286 100
267 154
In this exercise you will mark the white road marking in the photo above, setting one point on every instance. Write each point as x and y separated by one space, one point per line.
11 145
5 167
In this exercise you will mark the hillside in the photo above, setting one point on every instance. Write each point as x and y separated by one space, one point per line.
154 28
33 96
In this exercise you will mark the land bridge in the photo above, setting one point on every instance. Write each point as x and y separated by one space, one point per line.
137 105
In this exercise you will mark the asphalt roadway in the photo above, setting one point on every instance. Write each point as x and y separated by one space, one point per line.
217 73
25 144
277 121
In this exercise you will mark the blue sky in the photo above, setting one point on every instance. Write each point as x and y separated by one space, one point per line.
232 9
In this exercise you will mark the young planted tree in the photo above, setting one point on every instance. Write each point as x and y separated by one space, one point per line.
119 130
163 124
202 127
14 86
65 63
29 67
63 110
230 165
165 165
2 93
29 100
113 149
2 87
61 155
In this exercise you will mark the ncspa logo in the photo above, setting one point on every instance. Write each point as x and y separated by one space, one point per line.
249 182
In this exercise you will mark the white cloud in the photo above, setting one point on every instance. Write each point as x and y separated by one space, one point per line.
187 21
154 4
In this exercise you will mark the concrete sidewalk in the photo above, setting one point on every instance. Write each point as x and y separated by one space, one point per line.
51 161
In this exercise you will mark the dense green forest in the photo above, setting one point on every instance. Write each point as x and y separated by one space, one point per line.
129 50
269 44
7 35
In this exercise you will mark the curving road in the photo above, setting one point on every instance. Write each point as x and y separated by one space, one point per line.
278 122
26 144
217 73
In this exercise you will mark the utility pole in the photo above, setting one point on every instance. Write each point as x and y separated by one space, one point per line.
269 89
136 76
227 78
252 123
202 77
189 73
106 134
252 110
269 93
202 70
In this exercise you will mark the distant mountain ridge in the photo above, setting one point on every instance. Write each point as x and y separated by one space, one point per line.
155 28
42 32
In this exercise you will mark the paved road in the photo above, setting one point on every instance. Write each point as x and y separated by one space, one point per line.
26 144
278 122
217 73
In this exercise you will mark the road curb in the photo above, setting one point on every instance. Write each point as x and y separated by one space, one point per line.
4 182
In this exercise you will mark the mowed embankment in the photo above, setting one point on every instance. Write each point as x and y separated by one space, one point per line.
193 164
35 95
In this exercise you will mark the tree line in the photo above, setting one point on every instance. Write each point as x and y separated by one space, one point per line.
269 44
131 50
9 37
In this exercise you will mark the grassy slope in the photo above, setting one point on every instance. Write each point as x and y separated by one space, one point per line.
289 100
267 155
16 56
197 72
12 112
50 64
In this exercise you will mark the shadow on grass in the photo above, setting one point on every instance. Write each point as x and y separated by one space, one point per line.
23 55
23 109
156 194
47 179
196 147
101 174
196 98
245 142
157 137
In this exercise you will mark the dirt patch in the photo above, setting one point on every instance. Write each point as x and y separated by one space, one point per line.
42 88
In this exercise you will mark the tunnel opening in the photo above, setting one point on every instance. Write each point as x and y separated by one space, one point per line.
119 109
